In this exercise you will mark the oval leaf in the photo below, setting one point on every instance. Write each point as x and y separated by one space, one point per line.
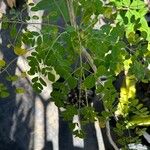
2 63
89 82
42 82
20 51
20 90
4 94
51 77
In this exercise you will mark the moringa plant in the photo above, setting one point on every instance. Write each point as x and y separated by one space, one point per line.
88 59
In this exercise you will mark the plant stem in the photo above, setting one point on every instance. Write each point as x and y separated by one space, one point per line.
71 13
28 23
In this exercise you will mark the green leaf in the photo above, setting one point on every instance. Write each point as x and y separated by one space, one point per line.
137 4
108 12
138 70
58 6
105 114
79 133
126 3
35 79
12 78
72 82
42 5
13 32
35 17
3 91
20 51
2 63
89 82
89 114
101 71
139 121
58 98
39 40
4 94
69 113
31 4
132 19
51 76
20 90
37 87
42 82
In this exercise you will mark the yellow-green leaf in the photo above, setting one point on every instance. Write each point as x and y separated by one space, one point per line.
20 51
20 90
127 92
23 75
108 12
2 63
139 121
127 64
131 37
4 94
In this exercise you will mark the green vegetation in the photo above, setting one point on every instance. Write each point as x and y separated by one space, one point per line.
82 54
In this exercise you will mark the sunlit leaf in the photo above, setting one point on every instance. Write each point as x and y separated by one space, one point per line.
127 92
139 121
20 51
2 63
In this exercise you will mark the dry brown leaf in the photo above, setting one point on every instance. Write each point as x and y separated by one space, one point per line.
11 3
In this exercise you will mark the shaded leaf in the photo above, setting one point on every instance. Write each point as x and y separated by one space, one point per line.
51 76
89 82
20 90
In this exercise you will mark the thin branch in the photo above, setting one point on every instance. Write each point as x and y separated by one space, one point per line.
89 59
109 136
71 13
29 23
19 31
8 65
